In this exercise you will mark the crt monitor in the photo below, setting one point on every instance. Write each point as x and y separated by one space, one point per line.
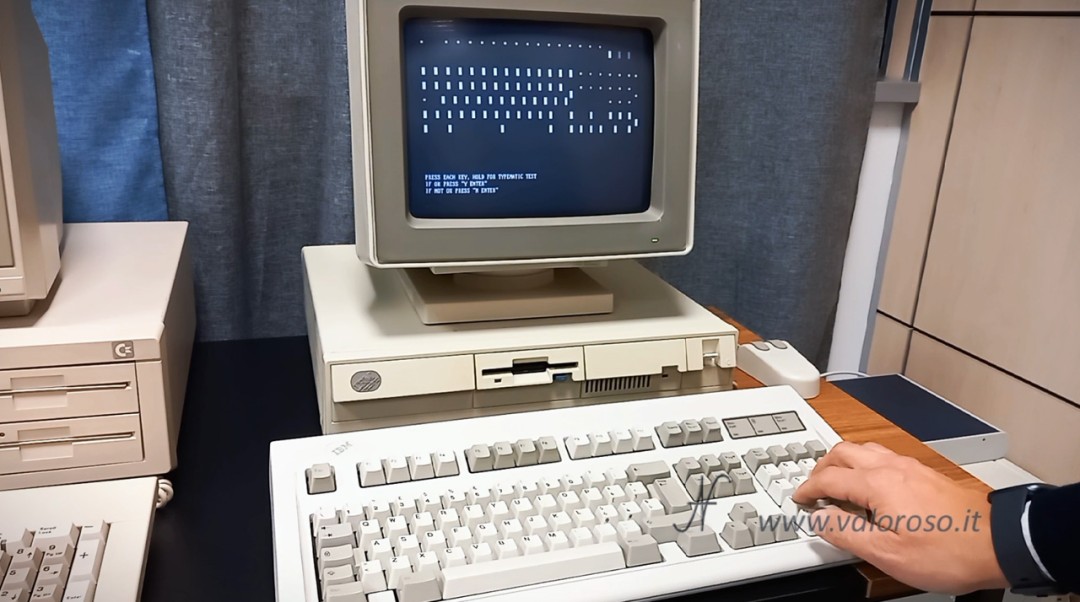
493 135
30 186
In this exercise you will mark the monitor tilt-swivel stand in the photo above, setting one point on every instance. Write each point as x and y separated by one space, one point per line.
509 294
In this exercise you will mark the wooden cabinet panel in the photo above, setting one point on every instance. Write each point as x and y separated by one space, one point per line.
928 134
901 39
1027 6
1042 428
953 5
1001 279
889 347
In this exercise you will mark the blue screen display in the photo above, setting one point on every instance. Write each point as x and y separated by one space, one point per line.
513 119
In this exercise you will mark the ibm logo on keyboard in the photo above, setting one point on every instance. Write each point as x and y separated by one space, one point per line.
366 381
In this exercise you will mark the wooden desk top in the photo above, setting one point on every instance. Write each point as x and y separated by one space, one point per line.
855 422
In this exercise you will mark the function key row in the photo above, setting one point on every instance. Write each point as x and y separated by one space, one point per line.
401 469
622 441
689 432
504 454
322 478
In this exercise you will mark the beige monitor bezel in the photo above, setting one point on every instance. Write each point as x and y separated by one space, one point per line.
387 235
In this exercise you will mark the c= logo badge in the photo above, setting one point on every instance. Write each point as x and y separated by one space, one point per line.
366 381
123 350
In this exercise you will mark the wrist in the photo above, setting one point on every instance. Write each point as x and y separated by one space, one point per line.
1016 557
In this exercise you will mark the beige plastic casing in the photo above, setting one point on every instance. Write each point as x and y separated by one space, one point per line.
361 326
378 144
92 381
31 209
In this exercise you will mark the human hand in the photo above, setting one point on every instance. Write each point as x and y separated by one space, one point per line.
925 530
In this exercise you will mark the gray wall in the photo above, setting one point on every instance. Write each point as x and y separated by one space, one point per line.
254 132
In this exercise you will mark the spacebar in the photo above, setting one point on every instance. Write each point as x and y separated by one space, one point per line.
529 570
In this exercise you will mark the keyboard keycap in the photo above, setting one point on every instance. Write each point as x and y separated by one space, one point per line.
346 592
692 432
578 447
722 485
52 537
27 558
670 434
615 476
755 458
780 490
47 593
526 453
730 461
816 449
78 591
759 535
421 467
778 454
549 450
698 542
330 536
766 474
648 472
737 535
50 574
641 550
666 528
643 440
335 556
600 444
798 451
400 566
503 455
445 463
338 575
622 442
19 578
396 469
529 570
671 494
636 490
479 459
699 487
687 467
710 426
742 511
790 470
320 479
709 463
744 481
419 588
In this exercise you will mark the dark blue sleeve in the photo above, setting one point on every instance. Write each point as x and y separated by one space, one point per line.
1054 524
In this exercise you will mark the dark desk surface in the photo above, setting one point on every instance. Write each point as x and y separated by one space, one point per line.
213 541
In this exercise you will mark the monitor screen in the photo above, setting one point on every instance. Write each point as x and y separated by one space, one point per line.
527 119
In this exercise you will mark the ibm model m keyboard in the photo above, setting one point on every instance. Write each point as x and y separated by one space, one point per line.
622 501
76 543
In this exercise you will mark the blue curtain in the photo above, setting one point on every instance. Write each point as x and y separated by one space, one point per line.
106 108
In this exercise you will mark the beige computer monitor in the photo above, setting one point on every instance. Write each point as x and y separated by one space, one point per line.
31 213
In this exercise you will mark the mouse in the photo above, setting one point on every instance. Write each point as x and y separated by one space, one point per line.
776 362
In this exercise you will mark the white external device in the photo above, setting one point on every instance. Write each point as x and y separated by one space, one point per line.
377 364
92 380
778 363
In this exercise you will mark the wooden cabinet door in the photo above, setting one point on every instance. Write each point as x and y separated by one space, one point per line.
1002 276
